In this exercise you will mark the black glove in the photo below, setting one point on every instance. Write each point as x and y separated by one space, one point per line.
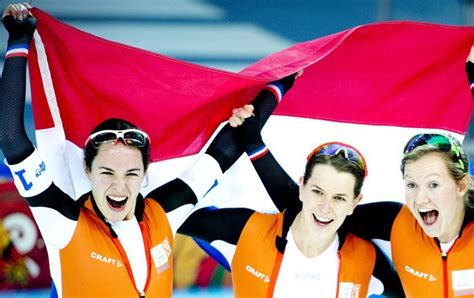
20 29
264 105
230 143
287 82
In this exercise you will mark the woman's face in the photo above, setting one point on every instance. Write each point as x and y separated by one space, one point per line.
433 196
116 176
328 198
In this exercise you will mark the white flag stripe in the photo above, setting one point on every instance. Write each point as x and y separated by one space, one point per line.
47 80
290 139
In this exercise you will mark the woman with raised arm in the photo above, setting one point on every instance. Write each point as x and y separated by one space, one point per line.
112 241
432 235
306 249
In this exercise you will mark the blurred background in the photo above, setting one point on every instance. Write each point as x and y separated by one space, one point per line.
227 35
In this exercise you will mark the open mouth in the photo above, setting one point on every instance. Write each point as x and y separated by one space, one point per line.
429 216
322 221
117 203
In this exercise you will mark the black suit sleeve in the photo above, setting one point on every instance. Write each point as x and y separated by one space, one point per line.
374 220
13 139
216 224
386 273
281 188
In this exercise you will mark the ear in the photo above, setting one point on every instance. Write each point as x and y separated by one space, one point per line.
86 170
463 185
355 202
301 187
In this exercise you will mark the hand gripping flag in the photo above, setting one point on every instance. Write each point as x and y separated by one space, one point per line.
373 86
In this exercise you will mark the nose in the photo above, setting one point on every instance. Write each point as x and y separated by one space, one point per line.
422 196
325 205
118 184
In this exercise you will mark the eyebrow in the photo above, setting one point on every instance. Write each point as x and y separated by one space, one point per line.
109 169
424 177
337 194
106 168
432 174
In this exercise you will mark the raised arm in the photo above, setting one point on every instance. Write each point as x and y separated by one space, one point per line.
55 212
179 196
281 188
228 145
13 139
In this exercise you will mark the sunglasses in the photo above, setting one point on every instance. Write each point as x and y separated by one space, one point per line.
130 137
441 142
347 151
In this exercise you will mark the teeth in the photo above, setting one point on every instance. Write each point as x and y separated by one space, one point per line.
323 219
424 210
117 198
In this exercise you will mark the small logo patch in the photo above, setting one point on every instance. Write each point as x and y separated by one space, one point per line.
257 274
349 290
426 276
463 282
160 254
21 175
106 260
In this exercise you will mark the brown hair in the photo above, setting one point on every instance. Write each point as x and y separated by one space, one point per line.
115 124
340 163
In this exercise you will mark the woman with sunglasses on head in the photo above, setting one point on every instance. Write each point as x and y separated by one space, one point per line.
432 235
306 249
111 241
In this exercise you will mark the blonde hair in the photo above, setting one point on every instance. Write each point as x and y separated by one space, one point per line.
452 162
